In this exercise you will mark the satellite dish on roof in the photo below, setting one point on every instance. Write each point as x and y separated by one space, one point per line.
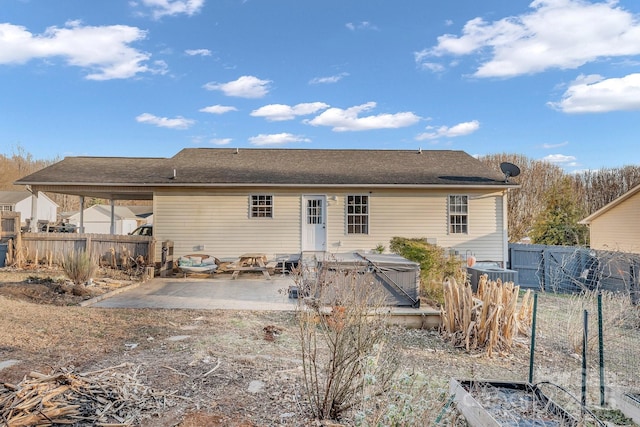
509 170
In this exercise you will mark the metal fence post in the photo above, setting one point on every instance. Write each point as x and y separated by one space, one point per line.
601 349
584 360
533 336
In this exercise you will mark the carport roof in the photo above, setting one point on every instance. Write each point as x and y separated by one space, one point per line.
216 167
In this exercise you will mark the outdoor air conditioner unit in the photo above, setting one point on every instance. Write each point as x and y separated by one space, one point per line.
493 272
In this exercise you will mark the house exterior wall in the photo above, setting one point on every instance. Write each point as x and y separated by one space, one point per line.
122 226
96 221
616 229
46 209
219 224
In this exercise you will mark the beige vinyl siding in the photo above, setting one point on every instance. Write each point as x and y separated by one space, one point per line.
421 214
221 224
616 229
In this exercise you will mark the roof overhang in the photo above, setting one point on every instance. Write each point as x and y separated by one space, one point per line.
113 191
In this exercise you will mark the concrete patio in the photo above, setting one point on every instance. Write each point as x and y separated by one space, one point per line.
244 293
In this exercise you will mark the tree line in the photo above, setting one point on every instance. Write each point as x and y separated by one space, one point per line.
550 203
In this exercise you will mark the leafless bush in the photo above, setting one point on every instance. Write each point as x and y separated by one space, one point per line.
347 357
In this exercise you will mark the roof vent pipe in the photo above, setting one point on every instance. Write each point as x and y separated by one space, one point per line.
237 150
174 174
420 150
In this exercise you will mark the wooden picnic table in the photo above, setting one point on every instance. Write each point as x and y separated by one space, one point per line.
251 262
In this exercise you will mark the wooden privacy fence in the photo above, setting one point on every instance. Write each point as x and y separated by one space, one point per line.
9 225
107 249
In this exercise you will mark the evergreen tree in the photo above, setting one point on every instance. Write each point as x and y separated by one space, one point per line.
558 224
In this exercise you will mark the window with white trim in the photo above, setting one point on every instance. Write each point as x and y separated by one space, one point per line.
261 206
6 208
357 214
458 214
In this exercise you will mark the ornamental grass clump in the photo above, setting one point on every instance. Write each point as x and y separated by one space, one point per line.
490 319
79 267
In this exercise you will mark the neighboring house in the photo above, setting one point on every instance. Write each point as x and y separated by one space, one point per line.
21 201
614 227
227 202
97 218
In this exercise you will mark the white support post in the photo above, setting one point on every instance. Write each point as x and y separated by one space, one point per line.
113 217
33 222
81 226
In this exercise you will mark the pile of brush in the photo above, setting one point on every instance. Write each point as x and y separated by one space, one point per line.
490 319
108 397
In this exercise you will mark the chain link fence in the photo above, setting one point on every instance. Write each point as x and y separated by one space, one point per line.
587 326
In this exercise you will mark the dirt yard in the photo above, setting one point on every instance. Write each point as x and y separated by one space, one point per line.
216 367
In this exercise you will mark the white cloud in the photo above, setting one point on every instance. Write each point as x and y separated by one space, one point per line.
276 139
160 67
547 146
198 52
160 8
220 141
461 129
434 67
243 87
563 34
347 120
280 112
362 25
595 94
218 109
329 79
165 122
560 159
103 51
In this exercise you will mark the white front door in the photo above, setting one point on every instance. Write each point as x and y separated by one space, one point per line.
314 223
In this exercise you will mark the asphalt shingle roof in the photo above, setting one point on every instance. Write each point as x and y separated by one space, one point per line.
220 166
13 197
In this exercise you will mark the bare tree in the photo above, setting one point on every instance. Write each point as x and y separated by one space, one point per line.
600 187
526 202
346 355
19 164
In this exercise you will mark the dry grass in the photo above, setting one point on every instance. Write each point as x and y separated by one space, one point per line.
73 335
44 337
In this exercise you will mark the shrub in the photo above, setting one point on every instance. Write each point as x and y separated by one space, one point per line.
79 266
346 355
435 265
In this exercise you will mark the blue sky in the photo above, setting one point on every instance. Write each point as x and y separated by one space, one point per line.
549 79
